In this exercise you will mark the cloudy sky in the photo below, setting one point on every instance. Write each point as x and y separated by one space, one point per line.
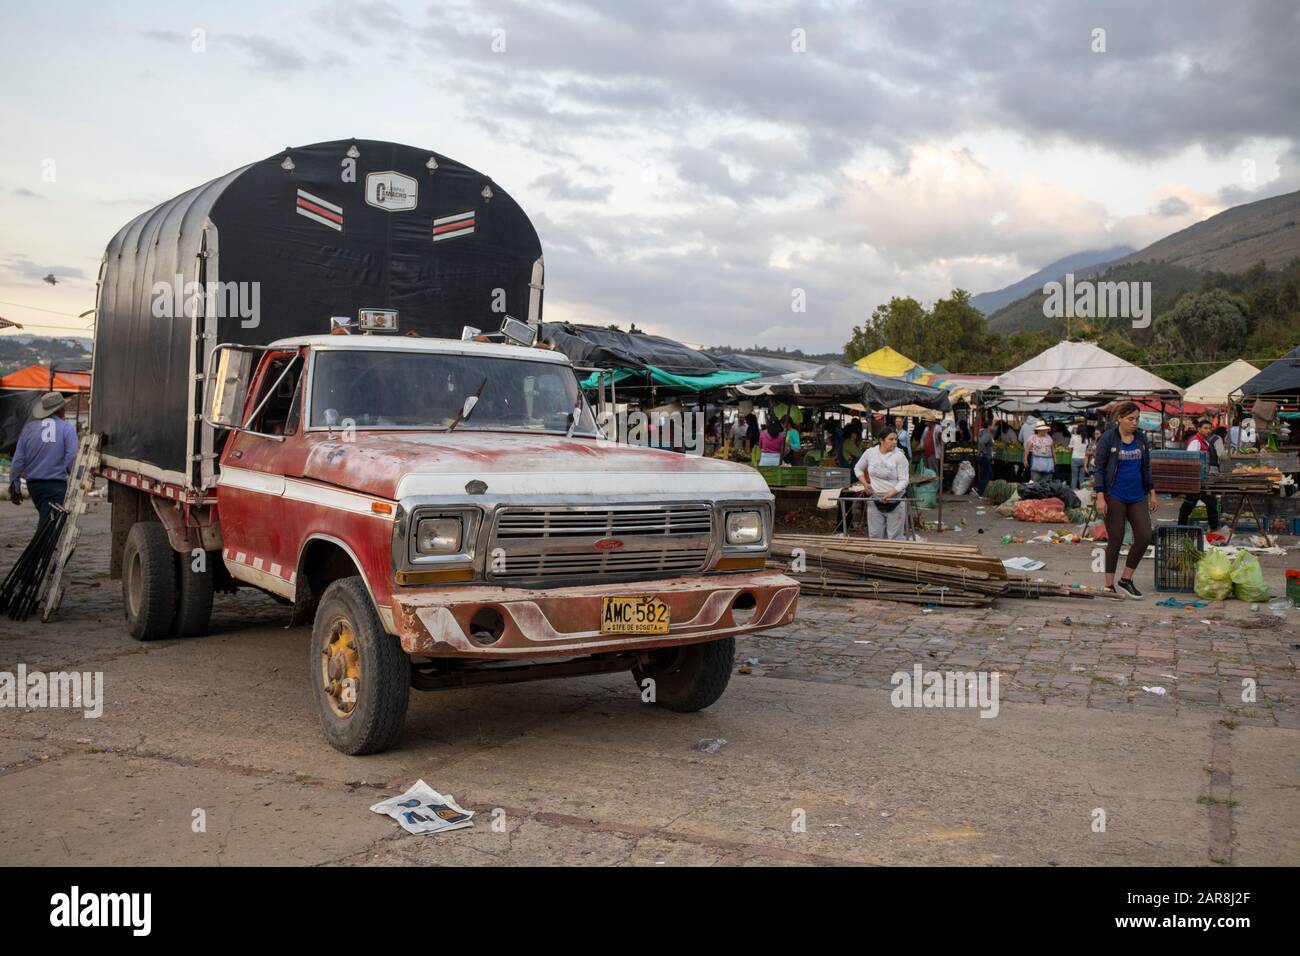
687 165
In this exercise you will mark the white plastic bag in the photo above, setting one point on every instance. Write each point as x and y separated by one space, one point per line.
962 481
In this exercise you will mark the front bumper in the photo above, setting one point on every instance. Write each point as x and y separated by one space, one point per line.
563 621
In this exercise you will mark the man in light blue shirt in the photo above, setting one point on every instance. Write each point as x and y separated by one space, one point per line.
904 437
46 450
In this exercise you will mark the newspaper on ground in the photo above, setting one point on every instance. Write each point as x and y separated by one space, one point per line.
424 810
1022 564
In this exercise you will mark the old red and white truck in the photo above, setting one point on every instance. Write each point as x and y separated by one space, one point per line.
444 511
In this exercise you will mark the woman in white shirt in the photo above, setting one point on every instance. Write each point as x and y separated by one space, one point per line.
1078 456
883 469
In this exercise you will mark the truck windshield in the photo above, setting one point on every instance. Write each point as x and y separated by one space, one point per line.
365 388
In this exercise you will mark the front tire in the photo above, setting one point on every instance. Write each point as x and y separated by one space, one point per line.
690 678
148 582
360 675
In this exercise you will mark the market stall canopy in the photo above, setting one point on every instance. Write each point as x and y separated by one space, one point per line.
1215 389
916 411
594 345
842 384
38 377
957 386
1169 408
1073 371
890 363
22 389
766 364
1016 406
1281 378
668 382
887 362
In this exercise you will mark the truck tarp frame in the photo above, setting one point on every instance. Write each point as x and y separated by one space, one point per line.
313 232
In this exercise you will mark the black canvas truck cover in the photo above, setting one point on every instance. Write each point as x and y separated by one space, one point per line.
308 234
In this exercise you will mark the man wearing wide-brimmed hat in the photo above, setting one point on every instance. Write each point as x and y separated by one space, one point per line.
46 450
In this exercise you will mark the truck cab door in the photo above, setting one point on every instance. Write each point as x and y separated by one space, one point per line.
261 456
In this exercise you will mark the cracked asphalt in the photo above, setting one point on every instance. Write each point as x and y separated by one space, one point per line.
208 751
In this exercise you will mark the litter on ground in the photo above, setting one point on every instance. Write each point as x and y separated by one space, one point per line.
424 810
1023 564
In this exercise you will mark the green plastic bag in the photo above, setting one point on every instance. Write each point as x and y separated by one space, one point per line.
1214 576
1248 579
927 495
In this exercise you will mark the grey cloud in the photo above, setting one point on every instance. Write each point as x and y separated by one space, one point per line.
269 56
362 23
165 36
20 268
1173 206
273 57
1288 180
889 73
558 185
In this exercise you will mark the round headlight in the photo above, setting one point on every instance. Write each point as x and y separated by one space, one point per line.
744 527
438 536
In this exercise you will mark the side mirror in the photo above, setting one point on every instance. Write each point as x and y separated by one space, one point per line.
229 371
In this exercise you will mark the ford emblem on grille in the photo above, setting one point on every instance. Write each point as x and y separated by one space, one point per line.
609 544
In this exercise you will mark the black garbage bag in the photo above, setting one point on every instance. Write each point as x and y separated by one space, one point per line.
1050 489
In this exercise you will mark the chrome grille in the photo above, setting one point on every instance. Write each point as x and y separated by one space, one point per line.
527 524
649 563
559 543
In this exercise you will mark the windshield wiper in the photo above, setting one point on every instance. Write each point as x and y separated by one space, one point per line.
574 415
468 408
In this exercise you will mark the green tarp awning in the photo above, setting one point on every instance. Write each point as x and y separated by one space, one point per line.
685 383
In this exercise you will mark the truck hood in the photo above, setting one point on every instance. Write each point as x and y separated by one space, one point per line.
398 465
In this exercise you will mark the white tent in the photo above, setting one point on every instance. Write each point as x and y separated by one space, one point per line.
1215 389
1080 370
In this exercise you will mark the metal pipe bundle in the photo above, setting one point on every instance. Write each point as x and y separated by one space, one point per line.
20 592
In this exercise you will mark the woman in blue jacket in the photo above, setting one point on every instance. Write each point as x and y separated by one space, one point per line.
1125 492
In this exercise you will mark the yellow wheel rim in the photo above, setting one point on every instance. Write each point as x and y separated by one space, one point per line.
341 668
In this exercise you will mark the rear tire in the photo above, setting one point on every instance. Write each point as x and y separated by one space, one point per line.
353 656
194 593
690 678
148 582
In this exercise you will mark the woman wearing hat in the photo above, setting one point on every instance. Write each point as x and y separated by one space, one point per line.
1040 454
46 450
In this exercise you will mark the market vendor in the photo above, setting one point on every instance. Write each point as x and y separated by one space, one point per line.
984 453
771 442
904 436
793 451
1200 441
1040 454
884 472
851 448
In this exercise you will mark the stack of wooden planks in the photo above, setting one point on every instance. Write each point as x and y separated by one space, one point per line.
1262 481
948 575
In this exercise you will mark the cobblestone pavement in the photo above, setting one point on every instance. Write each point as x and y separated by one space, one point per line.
1096 653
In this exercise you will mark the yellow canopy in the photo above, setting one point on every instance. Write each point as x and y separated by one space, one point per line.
885 361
